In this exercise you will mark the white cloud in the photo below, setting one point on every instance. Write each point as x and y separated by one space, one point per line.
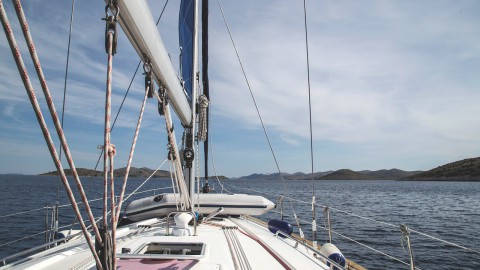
393 79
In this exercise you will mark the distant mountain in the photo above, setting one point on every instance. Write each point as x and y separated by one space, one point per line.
305 176
287 176
344 174
463 170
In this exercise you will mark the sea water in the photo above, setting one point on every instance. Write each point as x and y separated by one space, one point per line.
446 210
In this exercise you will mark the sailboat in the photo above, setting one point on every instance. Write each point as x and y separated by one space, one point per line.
191 228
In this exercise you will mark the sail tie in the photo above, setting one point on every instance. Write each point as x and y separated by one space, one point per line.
31 94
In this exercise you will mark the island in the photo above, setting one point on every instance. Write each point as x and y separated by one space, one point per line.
134 173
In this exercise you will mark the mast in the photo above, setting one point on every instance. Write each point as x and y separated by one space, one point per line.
206 87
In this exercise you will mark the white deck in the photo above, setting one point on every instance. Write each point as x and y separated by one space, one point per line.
76 255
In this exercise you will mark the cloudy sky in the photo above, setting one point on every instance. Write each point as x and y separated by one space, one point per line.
395 84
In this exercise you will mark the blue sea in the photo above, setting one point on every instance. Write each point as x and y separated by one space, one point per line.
446 210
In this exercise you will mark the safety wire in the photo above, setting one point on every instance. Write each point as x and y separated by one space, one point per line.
314 219
210 136
387 224
63 106
260 117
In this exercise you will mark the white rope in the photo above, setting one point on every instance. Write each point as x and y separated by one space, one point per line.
173 183
198 174
232 249
244 259
182 186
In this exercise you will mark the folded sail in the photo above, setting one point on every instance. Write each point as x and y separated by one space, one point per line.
185 27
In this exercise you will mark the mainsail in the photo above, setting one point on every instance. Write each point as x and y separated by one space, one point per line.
185 27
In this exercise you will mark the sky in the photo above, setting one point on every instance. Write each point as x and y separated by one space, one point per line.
394 84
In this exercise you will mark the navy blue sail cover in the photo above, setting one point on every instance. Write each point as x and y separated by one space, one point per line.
185 25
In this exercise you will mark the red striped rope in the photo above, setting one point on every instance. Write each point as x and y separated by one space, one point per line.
53 112
130 157
31 94
111 154
109 149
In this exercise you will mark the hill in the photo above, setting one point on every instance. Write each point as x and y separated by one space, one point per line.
392 174
287 176
463 170
120 172
345 174
134 172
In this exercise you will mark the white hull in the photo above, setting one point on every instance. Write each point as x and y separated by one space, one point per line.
214 252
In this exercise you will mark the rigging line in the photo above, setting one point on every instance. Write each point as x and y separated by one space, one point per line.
65 87
144 182
369 219
254 102
36 107
314 232
134 192
23 238
23 212
98 199
250 89
126 93
446 242
210 136
132 150
51 107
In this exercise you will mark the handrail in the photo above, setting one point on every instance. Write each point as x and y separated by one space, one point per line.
179 212
316 251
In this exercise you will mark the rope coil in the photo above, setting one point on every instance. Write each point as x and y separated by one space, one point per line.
202 117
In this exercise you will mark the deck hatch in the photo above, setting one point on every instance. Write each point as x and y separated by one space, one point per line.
185 249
